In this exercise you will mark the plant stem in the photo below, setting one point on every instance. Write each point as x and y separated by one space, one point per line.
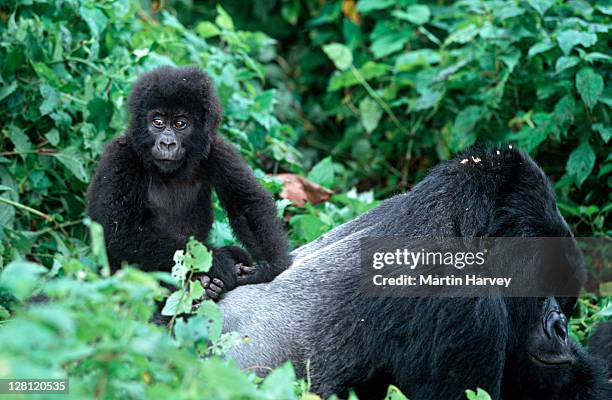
26 208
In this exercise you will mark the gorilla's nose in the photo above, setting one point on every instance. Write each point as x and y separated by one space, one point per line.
556 326
167 144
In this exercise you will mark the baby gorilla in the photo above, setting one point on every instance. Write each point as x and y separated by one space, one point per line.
152 188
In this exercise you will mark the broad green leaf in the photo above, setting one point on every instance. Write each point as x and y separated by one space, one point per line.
307 227
463 35
590 85
340 55
417 58
323 173
198 257
20 278
540 47
479 395
223 19
393 393
20 140
370 114
177 303
53 137
207 29
565 62
570 38
564 110
581 163
279 384
604 130
418 14
7 90
365 6
464 132
94 17
389 44
213 318
541 5
74 161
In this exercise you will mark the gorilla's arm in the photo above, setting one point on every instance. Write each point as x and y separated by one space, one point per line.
600 344
251 211
116 200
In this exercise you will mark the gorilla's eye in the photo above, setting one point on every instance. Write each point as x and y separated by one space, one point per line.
180 124
158 122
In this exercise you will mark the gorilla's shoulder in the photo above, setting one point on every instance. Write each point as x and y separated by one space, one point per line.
119 152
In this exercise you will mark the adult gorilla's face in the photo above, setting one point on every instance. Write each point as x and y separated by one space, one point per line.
169 130
548 345
545 360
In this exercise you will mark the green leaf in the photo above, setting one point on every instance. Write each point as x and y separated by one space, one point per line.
581 163
393 393
540 47
74 161
590 85
365 6
340 55
541 5
7 90
564 111
463 133
604 131
94 17
307 227
213 318
20 278
370 114
565 62
479 395
389 44
568 39
53 137
198 258
20 140
279 384
418 58
223 19
323 173
418 14
177 303
207 29
100 113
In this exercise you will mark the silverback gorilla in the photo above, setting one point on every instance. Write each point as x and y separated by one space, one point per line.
152 187
431 348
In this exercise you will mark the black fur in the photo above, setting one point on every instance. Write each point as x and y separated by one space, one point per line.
600 343
148 213
431 348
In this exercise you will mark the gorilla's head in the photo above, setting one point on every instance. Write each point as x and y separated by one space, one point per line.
174 114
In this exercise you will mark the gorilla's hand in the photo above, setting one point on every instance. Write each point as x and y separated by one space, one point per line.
222 276
259 272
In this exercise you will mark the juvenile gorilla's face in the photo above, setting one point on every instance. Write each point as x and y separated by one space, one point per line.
170 130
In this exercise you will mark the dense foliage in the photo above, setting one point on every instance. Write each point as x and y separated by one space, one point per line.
358 96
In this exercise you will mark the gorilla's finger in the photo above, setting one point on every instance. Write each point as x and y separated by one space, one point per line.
211 294
215 288
218 282
205 281
245 270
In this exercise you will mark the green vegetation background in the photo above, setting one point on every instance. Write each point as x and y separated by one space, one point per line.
361 97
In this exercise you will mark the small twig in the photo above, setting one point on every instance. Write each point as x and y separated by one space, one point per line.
26 208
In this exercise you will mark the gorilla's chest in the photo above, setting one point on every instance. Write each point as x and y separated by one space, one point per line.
180 207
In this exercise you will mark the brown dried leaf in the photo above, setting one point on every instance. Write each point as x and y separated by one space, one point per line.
300 190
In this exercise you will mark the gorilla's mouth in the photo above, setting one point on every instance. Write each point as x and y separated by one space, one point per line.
554 361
